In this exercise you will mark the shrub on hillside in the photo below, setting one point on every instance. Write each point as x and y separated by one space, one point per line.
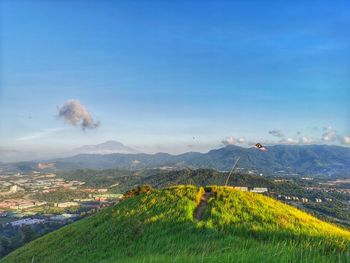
137 191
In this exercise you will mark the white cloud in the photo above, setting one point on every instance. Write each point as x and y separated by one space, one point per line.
345 140
288 141
329 135
305 140
241 140
301 139
230 140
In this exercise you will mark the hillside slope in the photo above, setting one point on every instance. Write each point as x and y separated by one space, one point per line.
159 226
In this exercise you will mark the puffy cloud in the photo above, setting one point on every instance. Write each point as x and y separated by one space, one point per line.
302 139
305 140
74 113
229 141
232 140
345 140
329 134
241 140
276 133
288 141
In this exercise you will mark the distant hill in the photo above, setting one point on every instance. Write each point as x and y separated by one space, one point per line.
186 224
306 160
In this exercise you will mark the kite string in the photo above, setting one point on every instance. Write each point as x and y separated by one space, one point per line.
234 166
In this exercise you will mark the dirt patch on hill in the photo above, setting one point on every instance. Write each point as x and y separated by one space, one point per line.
199 211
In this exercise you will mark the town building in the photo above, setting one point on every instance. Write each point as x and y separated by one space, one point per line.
27 221
66 204
63 217
259 190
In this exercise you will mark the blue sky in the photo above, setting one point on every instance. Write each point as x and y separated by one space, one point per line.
175 76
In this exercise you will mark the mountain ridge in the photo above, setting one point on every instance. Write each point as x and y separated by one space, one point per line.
279 160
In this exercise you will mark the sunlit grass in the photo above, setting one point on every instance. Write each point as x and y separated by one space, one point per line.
158 226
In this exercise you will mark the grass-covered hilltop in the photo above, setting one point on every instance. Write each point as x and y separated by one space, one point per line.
190 224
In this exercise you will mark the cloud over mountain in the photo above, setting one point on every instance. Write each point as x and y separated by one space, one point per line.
230 140
329 134
305 140
345 140
288 141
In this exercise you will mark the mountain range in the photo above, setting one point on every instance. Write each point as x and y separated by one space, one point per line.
278 160
305 160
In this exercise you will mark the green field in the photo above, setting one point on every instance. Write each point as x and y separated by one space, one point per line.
158 226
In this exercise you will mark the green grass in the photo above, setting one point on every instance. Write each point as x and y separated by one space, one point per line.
159 227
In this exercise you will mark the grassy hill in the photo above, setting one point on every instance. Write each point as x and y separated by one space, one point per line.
159 226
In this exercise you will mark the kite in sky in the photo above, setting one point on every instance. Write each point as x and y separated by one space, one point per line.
260 147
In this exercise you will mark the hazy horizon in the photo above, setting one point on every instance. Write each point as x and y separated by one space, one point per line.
8 155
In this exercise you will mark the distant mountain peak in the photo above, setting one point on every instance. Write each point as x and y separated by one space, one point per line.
111 142
107 147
